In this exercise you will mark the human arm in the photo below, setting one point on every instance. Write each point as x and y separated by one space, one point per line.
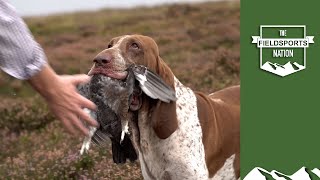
63 99
23 58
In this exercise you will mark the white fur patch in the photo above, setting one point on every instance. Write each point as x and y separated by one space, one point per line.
217 101
227 170
116 46
181 155
119 42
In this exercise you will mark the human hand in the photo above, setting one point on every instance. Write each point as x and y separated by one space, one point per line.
63 98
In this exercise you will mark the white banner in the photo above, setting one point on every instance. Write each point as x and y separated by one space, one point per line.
282 42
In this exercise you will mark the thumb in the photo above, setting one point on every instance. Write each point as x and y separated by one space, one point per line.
79 78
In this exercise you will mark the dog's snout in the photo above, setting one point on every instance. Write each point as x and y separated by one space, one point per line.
102 59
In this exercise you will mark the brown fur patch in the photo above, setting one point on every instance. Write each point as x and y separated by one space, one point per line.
219 116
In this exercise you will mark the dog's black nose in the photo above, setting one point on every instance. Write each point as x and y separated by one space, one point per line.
102 59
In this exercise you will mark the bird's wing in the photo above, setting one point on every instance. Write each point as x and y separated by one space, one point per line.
152 85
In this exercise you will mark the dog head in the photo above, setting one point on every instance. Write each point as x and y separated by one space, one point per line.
124 51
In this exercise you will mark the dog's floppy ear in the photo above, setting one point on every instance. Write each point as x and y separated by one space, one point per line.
164 119
164 115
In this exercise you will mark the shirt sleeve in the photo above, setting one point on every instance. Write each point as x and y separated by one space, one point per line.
20 55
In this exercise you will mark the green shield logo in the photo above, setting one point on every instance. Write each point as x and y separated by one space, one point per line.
283 48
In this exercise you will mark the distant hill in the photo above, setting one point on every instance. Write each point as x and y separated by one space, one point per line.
202 39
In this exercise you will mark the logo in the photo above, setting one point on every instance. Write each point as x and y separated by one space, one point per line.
262 174
283 48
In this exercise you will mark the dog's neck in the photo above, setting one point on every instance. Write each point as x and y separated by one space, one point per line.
153 152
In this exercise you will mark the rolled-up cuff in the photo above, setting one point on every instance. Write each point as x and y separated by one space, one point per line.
39 60
31 67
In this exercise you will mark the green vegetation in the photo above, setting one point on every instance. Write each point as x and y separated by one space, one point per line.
200 42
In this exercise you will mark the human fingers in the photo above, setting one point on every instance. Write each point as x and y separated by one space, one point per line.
86 103
77 122
84 116
78 78
68 125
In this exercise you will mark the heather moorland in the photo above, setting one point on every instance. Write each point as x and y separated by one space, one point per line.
200 42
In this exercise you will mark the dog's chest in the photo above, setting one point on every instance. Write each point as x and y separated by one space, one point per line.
180 156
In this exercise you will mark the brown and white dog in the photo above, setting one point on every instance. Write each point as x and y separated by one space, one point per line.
195 137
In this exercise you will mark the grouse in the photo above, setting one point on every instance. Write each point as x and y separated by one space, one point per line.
113 98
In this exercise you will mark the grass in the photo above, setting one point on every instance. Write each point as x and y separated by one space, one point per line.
200 42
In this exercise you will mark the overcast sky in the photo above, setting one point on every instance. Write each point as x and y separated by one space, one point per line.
44 7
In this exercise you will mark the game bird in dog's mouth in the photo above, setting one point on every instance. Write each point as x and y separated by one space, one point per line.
117 99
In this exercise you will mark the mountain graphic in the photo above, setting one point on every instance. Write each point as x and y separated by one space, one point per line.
262 174
282 70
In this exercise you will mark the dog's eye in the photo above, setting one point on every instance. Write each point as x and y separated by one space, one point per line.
134 46
109 46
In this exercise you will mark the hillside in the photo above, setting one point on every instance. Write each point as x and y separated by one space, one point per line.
200 42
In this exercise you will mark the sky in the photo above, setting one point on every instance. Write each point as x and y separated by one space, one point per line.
46 7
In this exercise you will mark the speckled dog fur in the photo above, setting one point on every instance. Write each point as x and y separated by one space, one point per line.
181 156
